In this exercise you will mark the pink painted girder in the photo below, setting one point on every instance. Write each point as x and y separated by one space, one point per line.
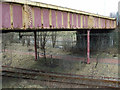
65 20
86 20
70 21
79 21
103 23
74 21
46 18
6 22
83 21
107 23
112 22
37 17
96 22
53 14
17 16
59 19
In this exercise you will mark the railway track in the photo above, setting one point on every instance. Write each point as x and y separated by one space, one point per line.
22 73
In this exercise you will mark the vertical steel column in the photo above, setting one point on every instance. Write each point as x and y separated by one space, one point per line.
35 44
88 46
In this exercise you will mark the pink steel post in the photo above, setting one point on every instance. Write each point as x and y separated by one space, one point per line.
88 46
35 46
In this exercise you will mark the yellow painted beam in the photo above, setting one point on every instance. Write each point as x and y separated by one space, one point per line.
114 24
11 15
68 18
50 18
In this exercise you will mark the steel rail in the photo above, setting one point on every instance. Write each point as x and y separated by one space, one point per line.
60 73
60 76
55 81
58 81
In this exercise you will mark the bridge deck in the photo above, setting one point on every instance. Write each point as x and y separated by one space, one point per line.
24 14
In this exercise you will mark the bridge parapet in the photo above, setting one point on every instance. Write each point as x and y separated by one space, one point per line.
24 14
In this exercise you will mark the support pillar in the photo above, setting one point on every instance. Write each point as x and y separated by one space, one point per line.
88 46
35 44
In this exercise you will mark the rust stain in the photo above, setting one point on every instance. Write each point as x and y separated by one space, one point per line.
90 22
27 16
33 17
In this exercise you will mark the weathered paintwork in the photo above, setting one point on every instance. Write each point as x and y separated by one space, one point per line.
22 16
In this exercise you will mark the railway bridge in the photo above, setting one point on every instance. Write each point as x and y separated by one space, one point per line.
28 16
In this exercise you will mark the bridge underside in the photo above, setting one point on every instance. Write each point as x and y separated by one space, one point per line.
58 30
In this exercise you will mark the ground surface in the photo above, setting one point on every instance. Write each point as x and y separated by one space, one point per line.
57 61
